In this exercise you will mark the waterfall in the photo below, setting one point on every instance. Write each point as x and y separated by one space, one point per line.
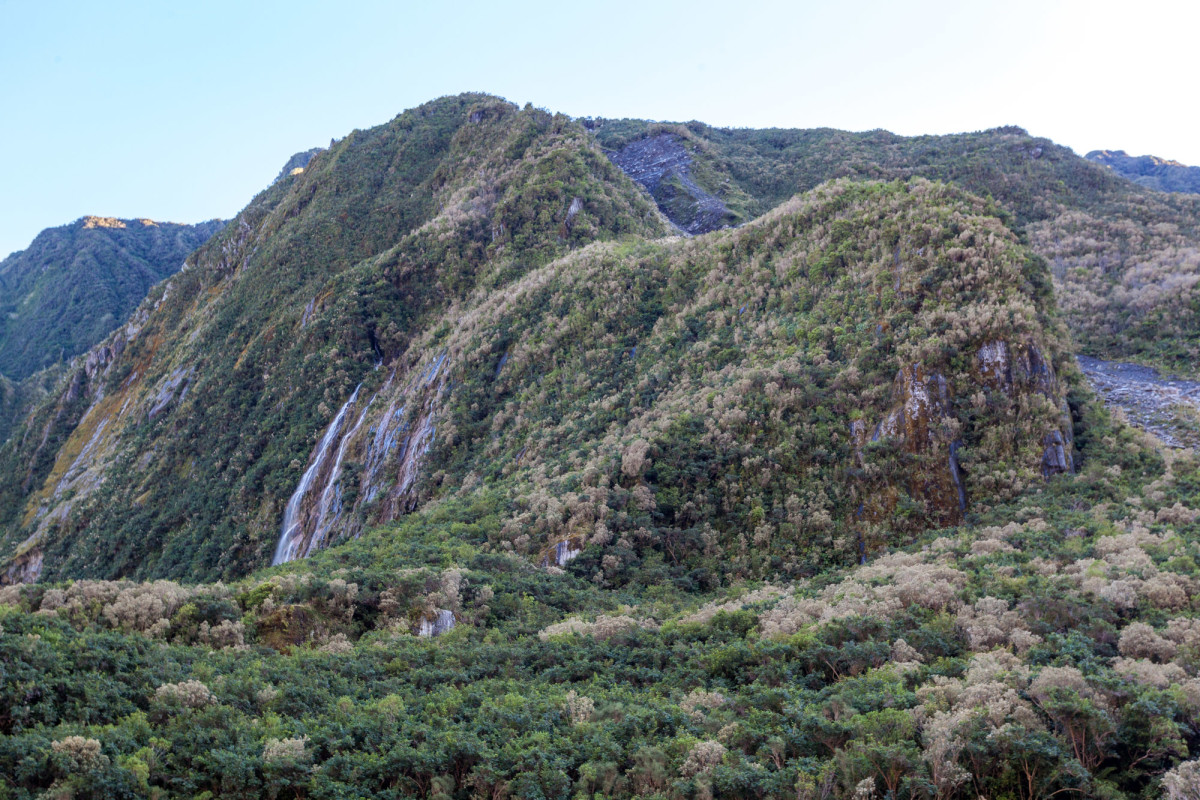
331 497
291 536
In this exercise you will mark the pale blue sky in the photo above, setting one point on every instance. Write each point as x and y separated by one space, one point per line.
182 112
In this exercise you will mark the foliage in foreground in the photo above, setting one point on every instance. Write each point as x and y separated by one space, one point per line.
1050 646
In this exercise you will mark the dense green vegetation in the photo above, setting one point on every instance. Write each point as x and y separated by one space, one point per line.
17 398
75 284
1125 259
723 395
1047 646
600 512
251 349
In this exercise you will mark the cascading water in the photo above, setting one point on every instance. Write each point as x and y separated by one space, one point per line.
291 537
398 434
329 507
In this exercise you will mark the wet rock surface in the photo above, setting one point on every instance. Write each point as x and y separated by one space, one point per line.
1167 407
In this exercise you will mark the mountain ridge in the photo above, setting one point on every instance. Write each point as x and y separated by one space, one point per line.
1161 174
77 282
521 190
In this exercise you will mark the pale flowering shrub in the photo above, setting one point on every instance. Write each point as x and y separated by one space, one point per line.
579 708
1133 560
1052 680
704 757
989 623
53 600
76 754
146 607
698 701
1183 631
879 590
12 595
227 633
338 644
1167 590
1139 640
1043 566
188 694
952 710
790 615
1023 640
1141 671
285 751
1177 514
605 627
759 596
987 547
998 665
1182 782
904 653
340 601
1108 545
1121 593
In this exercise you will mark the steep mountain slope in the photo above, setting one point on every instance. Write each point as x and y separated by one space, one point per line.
172 448
856 366
76 283
1150 171
1125 259
862 362
815 507
18 398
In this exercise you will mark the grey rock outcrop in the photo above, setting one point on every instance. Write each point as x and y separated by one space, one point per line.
661 165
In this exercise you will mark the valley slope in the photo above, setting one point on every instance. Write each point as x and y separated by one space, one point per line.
585 493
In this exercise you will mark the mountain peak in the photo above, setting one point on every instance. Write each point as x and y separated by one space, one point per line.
102 222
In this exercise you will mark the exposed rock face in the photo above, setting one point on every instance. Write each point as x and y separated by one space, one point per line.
25 568
920 423
923 423
386 434
1025 372
442 622
660 164
1150 171
1150 401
